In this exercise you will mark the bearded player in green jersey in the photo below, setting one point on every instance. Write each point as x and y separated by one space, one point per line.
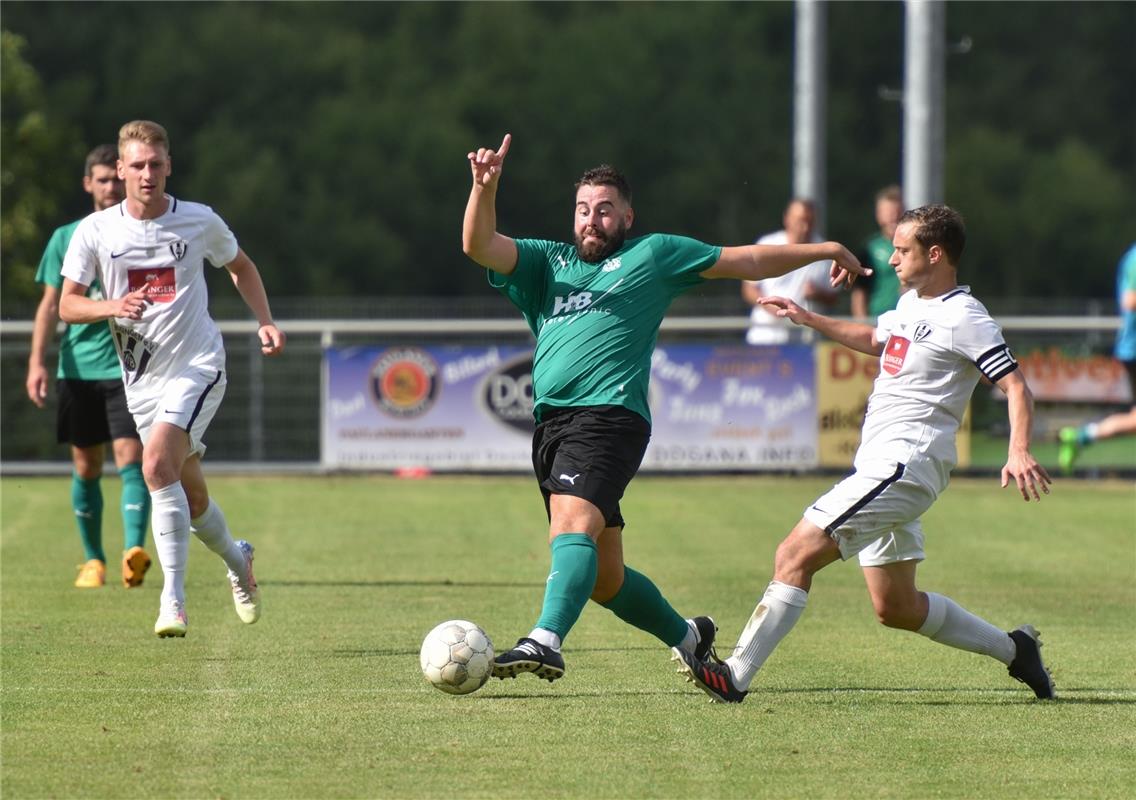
595 307
92 400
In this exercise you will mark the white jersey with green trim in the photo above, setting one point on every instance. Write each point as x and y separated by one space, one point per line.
935 349
166 255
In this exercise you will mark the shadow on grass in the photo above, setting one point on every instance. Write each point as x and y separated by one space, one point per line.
761 699
437 582
344 652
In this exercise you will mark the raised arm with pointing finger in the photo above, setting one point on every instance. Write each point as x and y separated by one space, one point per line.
480 238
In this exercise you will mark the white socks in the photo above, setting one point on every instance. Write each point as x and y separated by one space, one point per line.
776 614
546 637
950 624
691 640
169 518
212 529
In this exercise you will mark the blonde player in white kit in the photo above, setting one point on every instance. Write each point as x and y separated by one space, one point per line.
933 349
149 254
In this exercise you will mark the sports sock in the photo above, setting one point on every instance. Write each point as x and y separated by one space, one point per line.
780 608
1087 433
135 506
87 503
950 624
170 520
691 639
212 529
545 637
640 603
571 579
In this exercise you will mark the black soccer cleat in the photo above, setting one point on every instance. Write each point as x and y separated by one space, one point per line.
712 677
707 630
1027 665
529 655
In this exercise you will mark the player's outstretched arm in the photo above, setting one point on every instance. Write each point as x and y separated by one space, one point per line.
75 306
1020 463
480 239
43 329
246 277
856 335
756 262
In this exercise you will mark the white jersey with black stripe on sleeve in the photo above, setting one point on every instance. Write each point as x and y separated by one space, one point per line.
166 255
935 350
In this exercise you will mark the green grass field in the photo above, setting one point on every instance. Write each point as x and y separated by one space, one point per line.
323 697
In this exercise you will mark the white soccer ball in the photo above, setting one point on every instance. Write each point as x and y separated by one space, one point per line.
457 657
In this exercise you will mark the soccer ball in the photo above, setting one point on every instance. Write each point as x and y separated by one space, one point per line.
457 657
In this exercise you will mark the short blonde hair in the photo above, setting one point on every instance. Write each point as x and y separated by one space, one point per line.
145 131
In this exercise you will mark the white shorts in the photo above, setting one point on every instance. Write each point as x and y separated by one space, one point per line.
874 513
188 401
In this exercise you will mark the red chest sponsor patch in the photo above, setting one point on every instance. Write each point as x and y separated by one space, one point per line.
894 354
160 283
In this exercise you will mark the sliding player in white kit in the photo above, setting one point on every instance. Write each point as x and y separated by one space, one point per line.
149 254
934 347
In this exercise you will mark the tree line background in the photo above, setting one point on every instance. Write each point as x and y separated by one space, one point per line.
332 136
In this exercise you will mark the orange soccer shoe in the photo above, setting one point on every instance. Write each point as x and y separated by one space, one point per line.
135 562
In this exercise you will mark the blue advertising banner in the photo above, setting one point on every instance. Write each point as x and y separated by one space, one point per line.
454 408
732 408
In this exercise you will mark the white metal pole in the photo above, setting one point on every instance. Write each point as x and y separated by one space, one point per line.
924 115
809 91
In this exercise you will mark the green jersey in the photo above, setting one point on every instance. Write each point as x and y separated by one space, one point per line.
86 351
596 324
884 284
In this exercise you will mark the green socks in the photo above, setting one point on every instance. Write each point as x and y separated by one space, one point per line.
571 579
135 506
87 502
640 603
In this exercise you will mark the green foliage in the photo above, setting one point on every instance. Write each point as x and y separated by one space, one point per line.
323 696
332 136
1058 210
36 172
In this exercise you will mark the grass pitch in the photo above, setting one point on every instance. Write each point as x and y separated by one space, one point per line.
323 697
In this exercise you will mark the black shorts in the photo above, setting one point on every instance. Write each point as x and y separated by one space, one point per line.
1130 368
590 452
93 412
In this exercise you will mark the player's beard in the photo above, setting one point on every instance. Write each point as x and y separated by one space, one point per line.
595 252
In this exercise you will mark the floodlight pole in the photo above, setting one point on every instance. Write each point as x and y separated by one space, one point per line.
924 115
809 91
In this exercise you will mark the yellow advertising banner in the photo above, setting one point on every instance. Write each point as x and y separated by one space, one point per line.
843 382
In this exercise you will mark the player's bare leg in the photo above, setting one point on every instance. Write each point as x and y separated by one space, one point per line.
1074 440
899 604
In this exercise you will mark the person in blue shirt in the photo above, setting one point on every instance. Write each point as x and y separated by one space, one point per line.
1075 439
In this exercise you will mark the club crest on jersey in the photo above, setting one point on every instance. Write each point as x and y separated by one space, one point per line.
611 264
922 331
894 354
178 249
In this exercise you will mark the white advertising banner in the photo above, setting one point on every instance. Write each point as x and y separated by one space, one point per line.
455 408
